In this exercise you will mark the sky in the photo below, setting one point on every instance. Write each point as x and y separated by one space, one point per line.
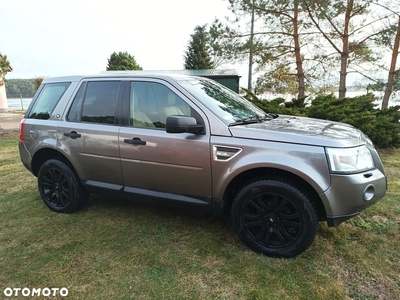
54 38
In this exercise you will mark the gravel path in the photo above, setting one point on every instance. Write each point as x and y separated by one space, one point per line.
10 121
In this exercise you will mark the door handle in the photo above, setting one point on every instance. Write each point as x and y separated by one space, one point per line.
135 141
73 134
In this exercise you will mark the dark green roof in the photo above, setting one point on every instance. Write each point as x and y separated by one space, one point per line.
203 72
206 72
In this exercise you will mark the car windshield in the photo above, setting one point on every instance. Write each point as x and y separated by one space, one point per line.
224 103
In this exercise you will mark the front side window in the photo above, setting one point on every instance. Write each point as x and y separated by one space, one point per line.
99 102
224 103
47 100
151 103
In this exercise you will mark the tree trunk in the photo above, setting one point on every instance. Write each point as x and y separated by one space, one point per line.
249 83
345 50
392 71
299 60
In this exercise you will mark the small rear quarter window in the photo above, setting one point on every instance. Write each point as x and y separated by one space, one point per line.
47 100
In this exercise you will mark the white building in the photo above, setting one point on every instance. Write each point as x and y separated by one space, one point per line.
3 95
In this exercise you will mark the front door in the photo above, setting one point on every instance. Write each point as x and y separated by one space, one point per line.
157 163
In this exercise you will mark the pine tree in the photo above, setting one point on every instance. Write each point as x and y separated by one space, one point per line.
197 55
4 67
122 61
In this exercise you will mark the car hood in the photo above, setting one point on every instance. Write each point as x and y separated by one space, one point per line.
301 130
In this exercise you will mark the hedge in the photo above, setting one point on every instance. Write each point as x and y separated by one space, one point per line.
381 126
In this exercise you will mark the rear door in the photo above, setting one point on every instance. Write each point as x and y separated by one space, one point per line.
156 163
88 135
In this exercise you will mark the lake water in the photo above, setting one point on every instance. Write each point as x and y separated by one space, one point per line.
15 104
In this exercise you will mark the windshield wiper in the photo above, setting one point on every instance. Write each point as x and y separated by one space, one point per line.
246 121
270 116
257 119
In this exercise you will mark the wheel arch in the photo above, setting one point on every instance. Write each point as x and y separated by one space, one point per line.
248 176
45 154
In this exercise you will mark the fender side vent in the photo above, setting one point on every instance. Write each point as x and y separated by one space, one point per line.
225 153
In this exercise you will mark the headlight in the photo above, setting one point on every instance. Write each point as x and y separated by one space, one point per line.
349 160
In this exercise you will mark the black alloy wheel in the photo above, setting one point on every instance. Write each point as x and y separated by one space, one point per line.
274 218
60 188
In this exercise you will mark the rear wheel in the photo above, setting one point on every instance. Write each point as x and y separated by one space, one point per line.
60 187
274 218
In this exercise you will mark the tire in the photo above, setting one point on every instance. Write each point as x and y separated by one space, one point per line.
274 218
60 187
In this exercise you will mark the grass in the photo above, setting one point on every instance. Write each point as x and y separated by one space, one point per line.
118 249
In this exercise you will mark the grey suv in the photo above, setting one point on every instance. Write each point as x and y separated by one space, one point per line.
190 141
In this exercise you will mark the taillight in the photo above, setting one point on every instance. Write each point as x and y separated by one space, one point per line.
21 129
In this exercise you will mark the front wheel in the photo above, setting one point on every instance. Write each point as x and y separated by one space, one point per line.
60 188
274 218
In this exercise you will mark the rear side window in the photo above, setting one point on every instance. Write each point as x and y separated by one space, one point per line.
47 100
74 112
99 102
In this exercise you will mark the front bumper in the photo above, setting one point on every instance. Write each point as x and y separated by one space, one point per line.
348 195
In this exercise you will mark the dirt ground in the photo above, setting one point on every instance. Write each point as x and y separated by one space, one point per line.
10 121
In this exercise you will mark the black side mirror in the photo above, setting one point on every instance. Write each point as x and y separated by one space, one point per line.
181 124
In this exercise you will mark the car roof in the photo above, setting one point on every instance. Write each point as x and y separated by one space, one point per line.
119 74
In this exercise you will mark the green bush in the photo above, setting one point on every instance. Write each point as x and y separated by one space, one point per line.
381 126
386 132
358 111
279 105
